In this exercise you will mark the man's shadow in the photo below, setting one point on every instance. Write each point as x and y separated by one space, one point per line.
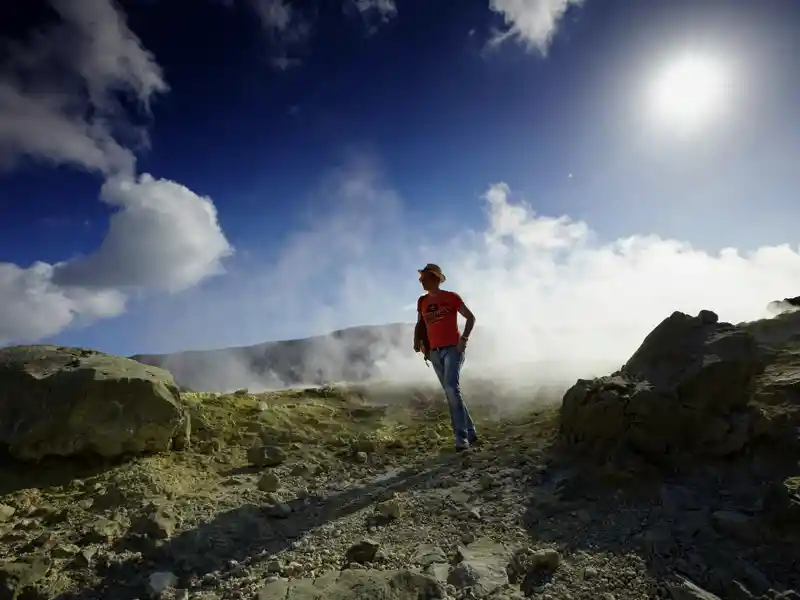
243 536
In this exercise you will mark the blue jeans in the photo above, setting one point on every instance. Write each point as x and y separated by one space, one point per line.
447 363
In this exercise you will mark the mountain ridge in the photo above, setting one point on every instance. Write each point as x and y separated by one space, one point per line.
349 354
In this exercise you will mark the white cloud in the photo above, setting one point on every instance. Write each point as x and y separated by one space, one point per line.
32 307
532 22
66 72
163 237
59 103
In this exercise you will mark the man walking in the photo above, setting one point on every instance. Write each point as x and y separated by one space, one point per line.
437 336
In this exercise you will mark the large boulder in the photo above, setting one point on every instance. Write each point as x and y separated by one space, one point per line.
684 392
68 401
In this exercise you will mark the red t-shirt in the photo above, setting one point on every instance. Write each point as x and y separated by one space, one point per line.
440 313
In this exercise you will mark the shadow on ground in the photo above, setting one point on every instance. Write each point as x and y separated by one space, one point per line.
245 535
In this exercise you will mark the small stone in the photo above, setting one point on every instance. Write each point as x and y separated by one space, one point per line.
85 503
103 531
158 524
362 457
427 555
362 552
300 470
486 481
390 509
6 512
269 482
159 582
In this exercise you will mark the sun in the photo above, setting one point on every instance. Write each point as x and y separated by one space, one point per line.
689 91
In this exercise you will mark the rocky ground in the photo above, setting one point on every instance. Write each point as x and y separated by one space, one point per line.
327 494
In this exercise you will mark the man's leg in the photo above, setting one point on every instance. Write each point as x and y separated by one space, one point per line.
452 360
472 434
438 363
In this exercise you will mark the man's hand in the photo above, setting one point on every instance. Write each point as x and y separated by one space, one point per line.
462 344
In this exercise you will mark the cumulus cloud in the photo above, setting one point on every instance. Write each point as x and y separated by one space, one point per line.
60 102
531 22
163 237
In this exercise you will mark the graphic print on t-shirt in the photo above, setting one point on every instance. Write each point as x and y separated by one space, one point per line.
441 318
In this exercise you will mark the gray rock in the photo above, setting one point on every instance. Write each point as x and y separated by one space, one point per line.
69 401
482 566
683 393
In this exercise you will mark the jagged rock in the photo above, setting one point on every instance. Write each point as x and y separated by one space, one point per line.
68 401
684 391
692 355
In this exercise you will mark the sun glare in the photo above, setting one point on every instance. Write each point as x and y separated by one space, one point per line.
689 91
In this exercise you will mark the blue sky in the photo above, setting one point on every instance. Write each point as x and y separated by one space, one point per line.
303 164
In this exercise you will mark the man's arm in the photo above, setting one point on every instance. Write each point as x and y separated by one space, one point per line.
420 334
465 312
